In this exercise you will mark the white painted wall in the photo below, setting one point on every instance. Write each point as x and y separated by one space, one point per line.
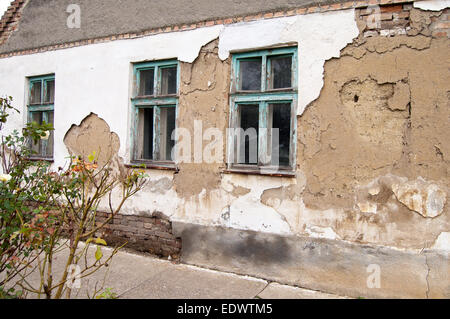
432 5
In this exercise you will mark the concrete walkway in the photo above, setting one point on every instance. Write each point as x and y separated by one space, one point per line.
137 276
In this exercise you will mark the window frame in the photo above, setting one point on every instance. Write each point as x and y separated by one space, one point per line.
263 99
155 101
43 107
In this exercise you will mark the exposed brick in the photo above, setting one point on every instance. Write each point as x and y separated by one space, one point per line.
442 25
401 15
393 24
407 6
392 8
163 234
279 14
366 11
336 6
313 9
386 16
290 12
439 34
258 16
370 34
143 233
348 4
148 225
249 18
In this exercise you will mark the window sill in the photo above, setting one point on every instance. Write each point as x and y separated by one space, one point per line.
154 165
251 92
162 96
263 172
41 159
42 103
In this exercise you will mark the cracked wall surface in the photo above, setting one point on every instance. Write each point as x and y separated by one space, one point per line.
203 97
92 135
372 149
379 124
383 111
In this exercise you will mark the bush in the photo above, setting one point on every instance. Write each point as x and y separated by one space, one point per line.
43 211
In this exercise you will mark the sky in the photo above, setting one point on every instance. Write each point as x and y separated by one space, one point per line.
4 4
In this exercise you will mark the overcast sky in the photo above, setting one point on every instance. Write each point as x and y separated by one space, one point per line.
4 4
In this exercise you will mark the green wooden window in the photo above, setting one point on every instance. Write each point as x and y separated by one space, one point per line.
263 98
154 104
41 106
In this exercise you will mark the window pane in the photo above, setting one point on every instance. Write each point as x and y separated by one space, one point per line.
146 133
35 95
147 81
169 80
167 119
281 73
49 142
248 137
50 92
250 74
36 147
281 119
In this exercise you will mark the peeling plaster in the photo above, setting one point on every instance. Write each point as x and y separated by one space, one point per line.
95 78
367 207
421 196
158 195
321 232
442 242
432 5
85 74
320 37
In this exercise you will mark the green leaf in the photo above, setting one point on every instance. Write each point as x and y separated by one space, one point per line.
14 235
101 241
91 157
98 253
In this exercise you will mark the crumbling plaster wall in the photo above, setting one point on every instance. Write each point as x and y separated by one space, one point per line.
370 147
381 120
372 163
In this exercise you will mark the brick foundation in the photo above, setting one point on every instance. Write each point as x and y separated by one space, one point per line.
142 233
